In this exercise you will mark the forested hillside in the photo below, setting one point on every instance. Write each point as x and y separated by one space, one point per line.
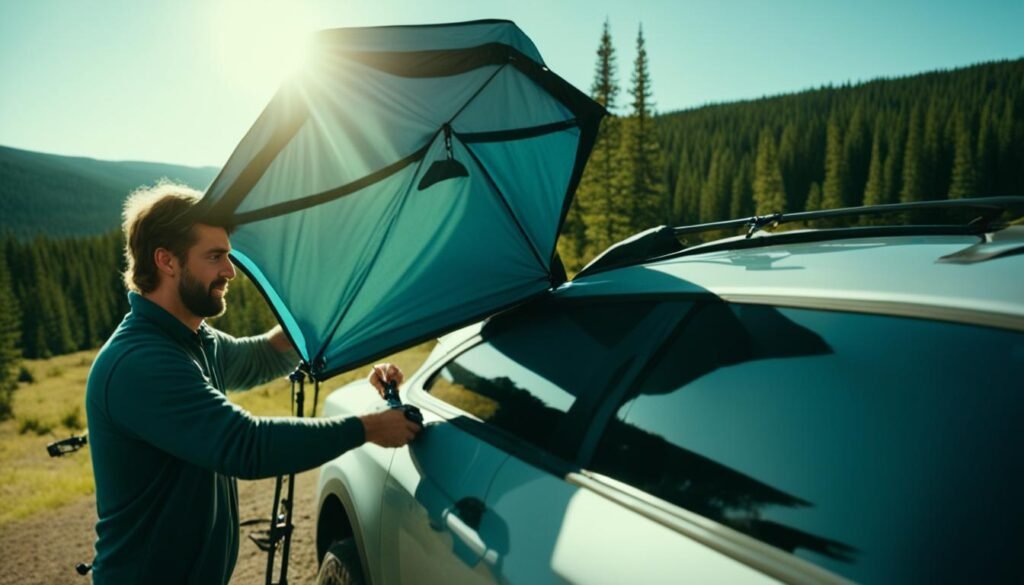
70 296
937 135
946 134
63 295
74 196
933 136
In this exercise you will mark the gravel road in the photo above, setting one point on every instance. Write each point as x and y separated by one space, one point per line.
44 549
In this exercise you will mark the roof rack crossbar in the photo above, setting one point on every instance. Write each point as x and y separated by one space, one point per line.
994 206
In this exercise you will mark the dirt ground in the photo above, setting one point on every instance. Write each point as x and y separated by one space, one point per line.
44 549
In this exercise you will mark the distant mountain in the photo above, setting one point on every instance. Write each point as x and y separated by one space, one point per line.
76 196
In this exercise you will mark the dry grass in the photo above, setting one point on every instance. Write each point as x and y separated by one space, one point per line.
53 407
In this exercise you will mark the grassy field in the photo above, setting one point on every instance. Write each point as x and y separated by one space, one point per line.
53 407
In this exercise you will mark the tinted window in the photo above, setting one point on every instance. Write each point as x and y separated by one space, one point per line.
540 370
883 449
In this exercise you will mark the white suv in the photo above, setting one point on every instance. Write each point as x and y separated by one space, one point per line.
811 407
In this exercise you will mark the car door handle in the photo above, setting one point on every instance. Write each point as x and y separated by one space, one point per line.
463 521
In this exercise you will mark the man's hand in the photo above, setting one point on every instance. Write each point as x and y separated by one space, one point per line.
390 428
382 374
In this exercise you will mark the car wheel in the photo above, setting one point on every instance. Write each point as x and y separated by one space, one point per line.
341 565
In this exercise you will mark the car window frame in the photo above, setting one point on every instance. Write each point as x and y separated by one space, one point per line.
515 445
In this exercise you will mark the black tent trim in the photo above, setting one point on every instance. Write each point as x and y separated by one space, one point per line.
318 358
429 25
344 367
273 308
287 207
447 62
435 63
517 133
411 64
221 211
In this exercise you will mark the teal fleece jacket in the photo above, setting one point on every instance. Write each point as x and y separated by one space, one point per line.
167 444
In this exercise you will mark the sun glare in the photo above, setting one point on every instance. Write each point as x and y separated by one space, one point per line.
260 44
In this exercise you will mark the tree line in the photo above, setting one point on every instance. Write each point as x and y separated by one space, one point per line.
946 134
65 295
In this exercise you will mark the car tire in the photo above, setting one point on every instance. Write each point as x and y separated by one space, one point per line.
341 565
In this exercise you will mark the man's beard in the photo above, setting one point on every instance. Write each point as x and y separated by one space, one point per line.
199 299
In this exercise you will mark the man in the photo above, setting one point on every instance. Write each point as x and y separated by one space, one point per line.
166 443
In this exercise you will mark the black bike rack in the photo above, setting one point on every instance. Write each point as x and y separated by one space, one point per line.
281 526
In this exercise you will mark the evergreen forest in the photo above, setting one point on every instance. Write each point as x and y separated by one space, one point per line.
937 135
945 134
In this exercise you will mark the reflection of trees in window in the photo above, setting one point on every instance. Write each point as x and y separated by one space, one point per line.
686 479
499 402
463 398
715 335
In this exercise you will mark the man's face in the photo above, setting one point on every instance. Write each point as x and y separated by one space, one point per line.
206 272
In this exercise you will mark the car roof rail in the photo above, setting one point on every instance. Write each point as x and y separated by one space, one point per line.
992 208
663 241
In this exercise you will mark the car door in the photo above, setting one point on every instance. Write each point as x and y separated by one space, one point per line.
509 411
434 489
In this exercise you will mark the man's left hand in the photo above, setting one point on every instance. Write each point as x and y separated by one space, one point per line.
381 374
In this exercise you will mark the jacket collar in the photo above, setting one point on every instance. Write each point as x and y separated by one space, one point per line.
150 311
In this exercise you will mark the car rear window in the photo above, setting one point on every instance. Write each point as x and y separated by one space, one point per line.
883 449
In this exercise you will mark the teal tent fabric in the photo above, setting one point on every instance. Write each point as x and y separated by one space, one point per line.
357 253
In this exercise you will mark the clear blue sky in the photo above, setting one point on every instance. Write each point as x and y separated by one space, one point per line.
181 81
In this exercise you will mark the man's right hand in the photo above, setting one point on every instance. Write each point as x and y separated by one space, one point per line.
390 428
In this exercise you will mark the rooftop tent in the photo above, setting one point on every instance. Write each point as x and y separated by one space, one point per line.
410 180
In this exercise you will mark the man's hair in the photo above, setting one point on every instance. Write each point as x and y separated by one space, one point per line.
156 217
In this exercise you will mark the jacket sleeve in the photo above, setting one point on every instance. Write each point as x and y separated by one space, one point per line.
250 361
162 397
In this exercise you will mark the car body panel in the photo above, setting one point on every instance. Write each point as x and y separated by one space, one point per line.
354 478
889 275
421 539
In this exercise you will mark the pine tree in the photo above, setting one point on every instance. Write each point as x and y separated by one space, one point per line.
987 150
715 195
834 191
572 241
913 160
602 214
47 327
686 199
856 145
10 332
963 183
892 174
742 191
874 190
790 164
1010 162
642 168
769 190
813 198
934 170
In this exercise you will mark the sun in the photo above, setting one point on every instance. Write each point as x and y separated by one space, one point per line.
259 44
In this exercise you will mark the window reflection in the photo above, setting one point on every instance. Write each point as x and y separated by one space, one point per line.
543 368
836 437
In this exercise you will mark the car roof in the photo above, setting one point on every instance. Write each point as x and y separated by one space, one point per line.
902 275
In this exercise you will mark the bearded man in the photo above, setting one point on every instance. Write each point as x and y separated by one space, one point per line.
166 443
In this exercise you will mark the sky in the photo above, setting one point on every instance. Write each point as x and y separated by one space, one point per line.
181 81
